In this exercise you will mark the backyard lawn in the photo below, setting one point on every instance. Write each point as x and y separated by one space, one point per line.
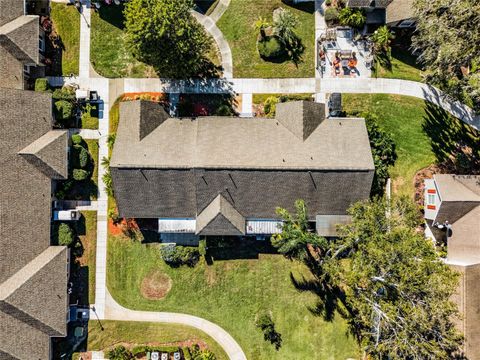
404 66
403 117
109 54
232 293
66 23
142 333
237 27
87 232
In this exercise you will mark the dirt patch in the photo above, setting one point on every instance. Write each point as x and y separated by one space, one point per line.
156 285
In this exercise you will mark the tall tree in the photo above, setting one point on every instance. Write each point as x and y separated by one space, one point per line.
447 36
164 34
394 286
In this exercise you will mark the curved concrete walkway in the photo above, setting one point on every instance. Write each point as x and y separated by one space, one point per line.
222 43
114 311
219 10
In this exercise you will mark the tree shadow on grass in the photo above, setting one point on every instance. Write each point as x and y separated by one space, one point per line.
305 7
113 15
455 144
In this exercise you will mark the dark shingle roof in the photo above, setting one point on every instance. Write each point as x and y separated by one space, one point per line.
33 275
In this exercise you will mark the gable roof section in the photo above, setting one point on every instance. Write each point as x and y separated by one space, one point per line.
458 187
49 154
300 117
36 292
245 143
20 38
220 218
145 116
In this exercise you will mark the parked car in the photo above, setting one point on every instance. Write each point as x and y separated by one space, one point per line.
66 215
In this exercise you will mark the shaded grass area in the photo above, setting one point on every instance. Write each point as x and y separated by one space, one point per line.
404 66
90 120
237 27
66 22
87 232
141 333
109 54
231 293
403 118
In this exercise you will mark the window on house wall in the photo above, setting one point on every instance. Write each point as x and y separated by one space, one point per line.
431 199
41 43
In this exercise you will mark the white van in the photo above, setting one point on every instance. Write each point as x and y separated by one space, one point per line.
66 215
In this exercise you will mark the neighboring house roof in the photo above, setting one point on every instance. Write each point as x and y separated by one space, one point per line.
181 166
298 138
458 187
20 38
399 10
10 10
33 274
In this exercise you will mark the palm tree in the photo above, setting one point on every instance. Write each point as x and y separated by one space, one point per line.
285 23
352 17
261 24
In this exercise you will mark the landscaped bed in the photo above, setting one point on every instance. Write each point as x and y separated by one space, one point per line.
131 334
232 293
237 25
66 23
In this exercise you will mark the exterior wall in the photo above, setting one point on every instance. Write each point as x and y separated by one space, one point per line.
156 193
431 209
468 300
11 71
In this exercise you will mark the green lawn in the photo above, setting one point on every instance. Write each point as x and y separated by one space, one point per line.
109 54
231 293
89 120
88 237
66 22
237 27
404 67
142 333
403 117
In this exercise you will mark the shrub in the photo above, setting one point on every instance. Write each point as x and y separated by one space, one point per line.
202 247
270 47
269 106
63 110
64 188
80 174
77 139
41 84
65 235
175 255
328 2
352 17
119 353
65 93
383 152
81 156
224 110
198 354
140 351
186 353
331 16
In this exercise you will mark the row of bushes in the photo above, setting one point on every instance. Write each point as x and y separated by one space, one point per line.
355 18
189 353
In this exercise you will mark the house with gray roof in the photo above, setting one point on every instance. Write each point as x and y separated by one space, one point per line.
22 42
452 214
33 274
226 175
395 13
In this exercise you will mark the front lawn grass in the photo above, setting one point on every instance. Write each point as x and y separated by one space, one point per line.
237 27
404 66
231 293
403 117
142 333
66 22
109 54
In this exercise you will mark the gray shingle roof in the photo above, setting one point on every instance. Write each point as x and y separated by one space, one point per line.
220 218
10 10
399 10
20 38
33 275
248 143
